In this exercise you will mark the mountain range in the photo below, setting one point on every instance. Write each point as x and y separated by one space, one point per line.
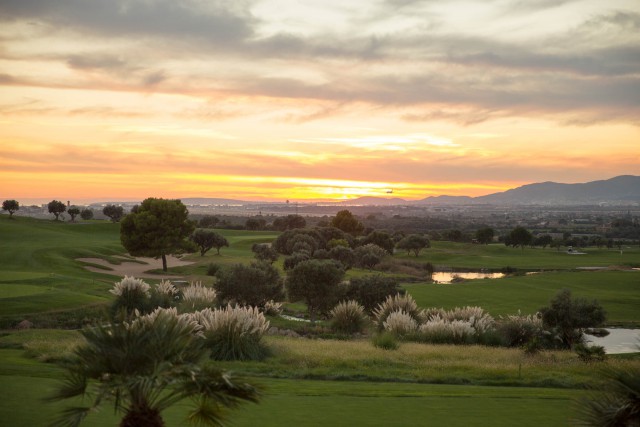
624 189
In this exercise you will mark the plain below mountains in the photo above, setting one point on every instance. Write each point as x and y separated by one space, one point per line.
621 190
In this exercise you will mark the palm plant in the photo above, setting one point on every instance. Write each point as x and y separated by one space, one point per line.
144 367
617 403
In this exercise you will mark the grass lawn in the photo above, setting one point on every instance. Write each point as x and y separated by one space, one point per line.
617 291
497 256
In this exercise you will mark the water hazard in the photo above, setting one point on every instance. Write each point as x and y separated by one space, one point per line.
619 340
449 277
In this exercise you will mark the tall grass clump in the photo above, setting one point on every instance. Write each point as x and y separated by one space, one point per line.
400 324
164 295
197 297
481 321
131 294
394 303
234 333
440 331
348 317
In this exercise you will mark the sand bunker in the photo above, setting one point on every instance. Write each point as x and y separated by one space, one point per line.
136 269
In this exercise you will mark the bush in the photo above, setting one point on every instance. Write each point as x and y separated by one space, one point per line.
348 318
385 340
400 324
372 290
518 330
234 333
587 353
404 303
212 269
264 252
249 285
566 317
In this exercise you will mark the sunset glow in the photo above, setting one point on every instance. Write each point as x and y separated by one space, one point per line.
278 100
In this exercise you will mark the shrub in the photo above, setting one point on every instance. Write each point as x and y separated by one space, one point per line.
391 304
566 317
400 323
587 353
441 331
234 333
518 330
252 285
196 297
348 317
372 290
212 269
385 340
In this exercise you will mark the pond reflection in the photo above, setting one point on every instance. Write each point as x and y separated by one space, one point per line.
449 277
619 340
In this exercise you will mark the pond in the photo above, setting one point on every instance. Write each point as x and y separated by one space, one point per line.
447 277
619 340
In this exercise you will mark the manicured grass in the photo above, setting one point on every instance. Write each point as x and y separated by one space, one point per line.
617 291
497 256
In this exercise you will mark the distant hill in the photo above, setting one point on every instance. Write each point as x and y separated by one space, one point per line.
624 189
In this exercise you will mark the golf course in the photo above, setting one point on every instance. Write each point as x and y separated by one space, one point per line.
56 278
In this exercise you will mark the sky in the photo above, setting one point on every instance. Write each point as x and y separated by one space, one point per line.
314 100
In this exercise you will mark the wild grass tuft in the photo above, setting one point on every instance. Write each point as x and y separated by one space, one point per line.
348 317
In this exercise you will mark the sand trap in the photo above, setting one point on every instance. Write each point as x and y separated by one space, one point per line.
128 268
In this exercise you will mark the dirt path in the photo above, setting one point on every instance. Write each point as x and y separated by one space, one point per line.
136 269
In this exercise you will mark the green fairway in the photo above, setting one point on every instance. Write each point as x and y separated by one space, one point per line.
497 256
617 291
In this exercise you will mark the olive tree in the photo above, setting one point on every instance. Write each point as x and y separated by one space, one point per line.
56 207
252 285
10 206
159 227
115 213
73 212
207 239
413 243
317 283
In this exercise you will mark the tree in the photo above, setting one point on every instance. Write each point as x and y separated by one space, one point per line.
264 252
317 283
114 212
146 366
345 221
86 214
56 207
208 221
544 240
207 239
372 290
289 222
255 223
382 239
485 235
344 255
519 236
367 256
568 317
73 211
249 285
414 243
158 228
10 206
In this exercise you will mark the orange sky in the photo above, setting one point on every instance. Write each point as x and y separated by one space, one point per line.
276 100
